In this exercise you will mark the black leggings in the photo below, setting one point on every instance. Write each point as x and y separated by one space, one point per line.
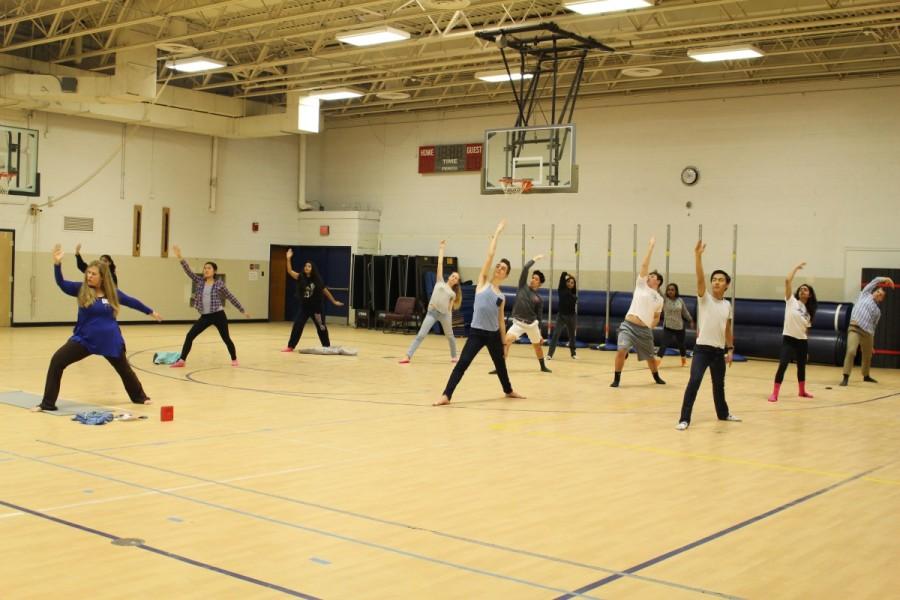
300 320
221 323
478 339
567 321
792 348
672 338
72 352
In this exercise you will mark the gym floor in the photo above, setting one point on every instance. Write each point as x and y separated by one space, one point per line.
334 477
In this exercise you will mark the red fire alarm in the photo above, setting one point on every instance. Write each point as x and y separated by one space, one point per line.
254 227
324 229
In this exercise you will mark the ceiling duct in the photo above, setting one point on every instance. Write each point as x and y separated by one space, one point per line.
445 4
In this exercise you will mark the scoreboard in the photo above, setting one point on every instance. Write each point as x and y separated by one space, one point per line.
450 158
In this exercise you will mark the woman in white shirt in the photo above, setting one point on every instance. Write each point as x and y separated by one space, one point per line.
799 312
446 297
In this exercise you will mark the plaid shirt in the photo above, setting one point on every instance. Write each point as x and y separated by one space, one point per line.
218 296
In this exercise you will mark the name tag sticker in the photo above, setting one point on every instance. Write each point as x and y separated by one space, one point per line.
104 300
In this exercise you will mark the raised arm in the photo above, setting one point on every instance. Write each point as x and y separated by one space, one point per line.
789 280
440 265
562 281
523 278
870 287
698 266
79 262
645 266
492 249
176 250
290 270
68 287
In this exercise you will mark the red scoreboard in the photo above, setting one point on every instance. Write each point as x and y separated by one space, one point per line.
450 158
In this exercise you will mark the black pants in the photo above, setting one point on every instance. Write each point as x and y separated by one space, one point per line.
714 359
221 323
672 338
567 321
72 352
478 339
792 348
303 315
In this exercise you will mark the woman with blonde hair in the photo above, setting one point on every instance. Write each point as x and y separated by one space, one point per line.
96 331
446 297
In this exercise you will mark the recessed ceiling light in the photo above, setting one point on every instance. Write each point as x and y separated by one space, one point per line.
376 35
596 7
392 95
502 75
725 53
194 64
335 94
641 72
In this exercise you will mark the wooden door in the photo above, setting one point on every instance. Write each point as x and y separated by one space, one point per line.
7 251
277 276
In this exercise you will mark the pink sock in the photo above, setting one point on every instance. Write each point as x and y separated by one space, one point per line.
803 393
775 390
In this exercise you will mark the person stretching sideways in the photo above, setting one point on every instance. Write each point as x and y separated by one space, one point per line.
863 321
527 311
643 315
715 341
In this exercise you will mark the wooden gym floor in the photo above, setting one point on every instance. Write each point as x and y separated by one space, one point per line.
334 477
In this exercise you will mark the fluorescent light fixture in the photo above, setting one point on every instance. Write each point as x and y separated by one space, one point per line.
336 94
308 114
502 75
195 64
596 7
725 53
376 35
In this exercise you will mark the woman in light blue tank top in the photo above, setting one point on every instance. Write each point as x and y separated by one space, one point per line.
488 326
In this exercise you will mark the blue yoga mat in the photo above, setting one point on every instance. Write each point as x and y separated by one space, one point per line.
25 400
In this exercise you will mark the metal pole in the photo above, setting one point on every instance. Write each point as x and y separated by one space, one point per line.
523 245
733 275
608 279
577 274
668 248
634 254
550 287
700 233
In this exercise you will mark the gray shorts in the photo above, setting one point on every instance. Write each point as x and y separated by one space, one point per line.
641 338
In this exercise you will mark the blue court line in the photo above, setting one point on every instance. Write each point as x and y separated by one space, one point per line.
388 522
165 553
298 526
714 536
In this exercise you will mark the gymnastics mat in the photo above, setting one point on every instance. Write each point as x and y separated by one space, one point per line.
29 401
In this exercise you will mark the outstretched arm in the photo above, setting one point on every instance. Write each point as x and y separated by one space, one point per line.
492 249
789 280
134 303
645 266
440 265
231 298
176 250
698 266
290 270
327 293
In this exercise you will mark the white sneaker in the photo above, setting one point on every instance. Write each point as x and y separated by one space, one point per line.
733 418
682 426
548 357
574 357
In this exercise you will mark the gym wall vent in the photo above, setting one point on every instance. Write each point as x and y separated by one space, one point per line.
78 224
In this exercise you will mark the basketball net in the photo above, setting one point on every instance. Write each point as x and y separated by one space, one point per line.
6 181
515 187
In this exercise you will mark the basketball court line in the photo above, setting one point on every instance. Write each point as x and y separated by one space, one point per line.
719 534
164 553
305 528
343 512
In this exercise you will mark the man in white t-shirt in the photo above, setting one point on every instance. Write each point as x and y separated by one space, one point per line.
637 329
715 341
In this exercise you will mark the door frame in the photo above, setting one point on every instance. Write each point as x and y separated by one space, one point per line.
12 277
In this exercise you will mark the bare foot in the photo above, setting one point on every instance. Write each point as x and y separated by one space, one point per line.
515 395
444 400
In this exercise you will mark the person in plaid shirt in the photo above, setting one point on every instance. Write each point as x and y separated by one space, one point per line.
209 300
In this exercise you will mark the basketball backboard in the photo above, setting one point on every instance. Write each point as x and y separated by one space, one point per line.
544 154
19 157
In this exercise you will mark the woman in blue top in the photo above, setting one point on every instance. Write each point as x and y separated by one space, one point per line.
488 324
96 331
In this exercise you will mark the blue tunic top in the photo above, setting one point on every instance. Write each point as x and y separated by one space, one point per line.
486 314
97 328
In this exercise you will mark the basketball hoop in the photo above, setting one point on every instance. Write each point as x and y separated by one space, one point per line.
5 181
515 187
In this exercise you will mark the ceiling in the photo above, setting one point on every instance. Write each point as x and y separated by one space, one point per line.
273 47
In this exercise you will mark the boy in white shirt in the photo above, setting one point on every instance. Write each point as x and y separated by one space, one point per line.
715 341
642 316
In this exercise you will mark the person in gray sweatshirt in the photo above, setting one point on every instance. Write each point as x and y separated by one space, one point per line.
527 311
